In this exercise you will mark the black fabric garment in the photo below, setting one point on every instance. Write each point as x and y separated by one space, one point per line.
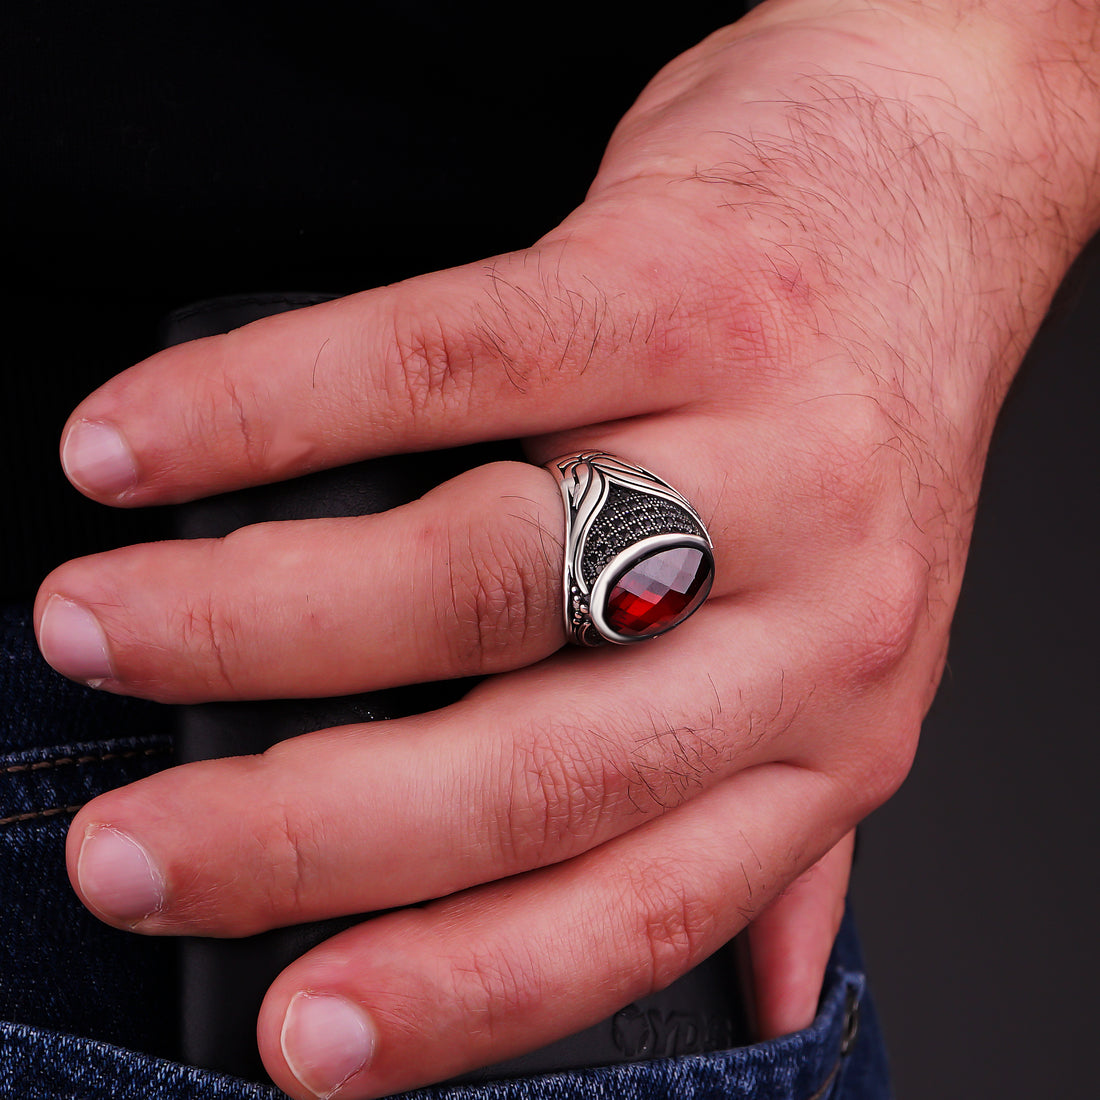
154 155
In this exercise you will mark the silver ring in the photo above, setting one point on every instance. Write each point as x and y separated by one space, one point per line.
638 559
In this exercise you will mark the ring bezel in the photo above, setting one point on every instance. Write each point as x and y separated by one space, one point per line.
593 531
622 563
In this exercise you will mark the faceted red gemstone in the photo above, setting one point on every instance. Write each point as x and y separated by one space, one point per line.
659 591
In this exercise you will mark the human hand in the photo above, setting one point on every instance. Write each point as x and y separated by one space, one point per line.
797 297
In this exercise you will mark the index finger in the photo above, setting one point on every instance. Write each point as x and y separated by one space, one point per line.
525 344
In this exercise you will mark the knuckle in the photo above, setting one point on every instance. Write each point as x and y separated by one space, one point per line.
498 598
288 847
262 875
893 763
252 440
879 763
668 928
568 787
881 619
559 793
210 631
208 635
222 417
492 988
860 465
430 366
850 455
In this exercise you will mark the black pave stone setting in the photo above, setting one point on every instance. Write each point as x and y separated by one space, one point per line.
628 517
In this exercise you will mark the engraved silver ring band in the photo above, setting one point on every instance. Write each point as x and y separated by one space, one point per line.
638 558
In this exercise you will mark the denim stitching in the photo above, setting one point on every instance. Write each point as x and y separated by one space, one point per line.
16 818
826 1087
851 1030
67 761
41 765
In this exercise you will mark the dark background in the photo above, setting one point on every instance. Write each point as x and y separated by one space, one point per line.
154 155
976 886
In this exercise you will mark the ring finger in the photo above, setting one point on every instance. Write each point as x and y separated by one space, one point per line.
465 581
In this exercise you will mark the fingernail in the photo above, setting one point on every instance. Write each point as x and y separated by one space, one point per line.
326 1040
117 877
73 642
96 458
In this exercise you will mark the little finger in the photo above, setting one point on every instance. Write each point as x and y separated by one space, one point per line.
426 994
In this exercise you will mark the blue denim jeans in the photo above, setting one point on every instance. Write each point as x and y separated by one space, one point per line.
90 1013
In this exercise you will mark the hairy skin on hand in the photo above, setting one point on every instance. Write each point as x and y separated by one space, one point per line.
811 261
909 226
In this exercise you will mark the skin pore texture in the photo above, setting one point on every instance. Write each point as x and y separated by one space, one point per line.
813 257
